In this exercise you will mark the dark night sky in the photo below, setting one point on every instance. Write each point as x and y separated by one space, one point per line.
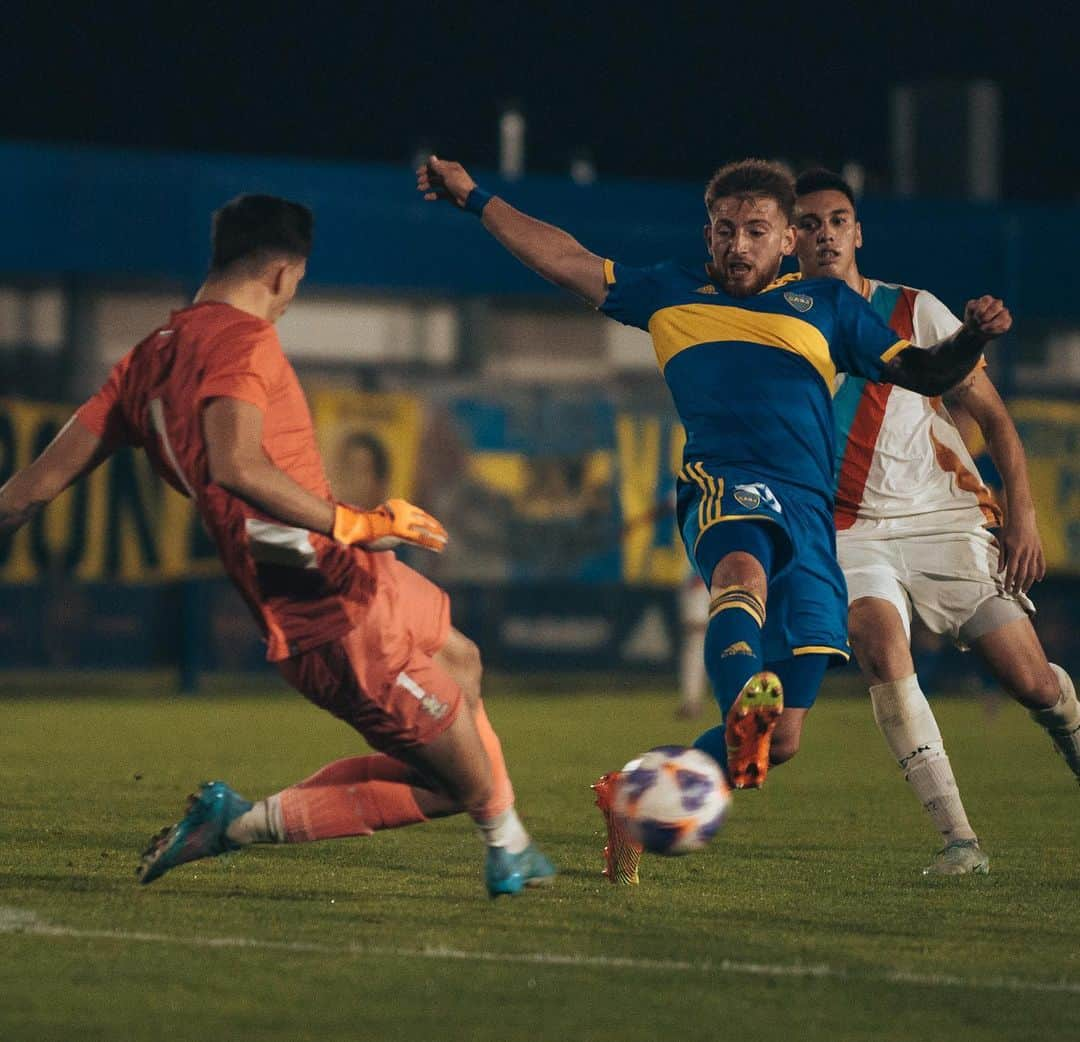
658 89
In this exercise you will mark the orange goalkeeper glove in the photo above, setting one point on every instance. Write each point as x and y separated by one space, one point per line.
388 525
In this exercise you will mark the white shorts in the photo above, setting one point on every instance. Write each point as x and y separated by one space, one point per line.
950 579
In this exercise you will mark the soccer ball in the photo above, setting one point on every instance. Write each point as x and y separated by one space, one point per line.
672 800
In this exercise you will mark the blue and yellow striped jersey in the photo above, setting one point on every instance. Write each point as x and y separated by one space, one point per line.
752 378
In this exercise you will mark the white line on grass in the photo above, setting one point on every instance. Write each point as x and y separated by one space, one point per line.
27 923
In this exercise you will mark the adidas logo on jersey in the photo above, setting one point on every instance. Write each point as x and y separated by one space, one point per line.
708 289
799 301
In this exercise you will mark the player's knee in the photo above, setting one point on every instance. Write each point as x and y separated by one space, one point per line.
471 667
783 748
868 644
786 737
461 659
1034 687
740 568
860 632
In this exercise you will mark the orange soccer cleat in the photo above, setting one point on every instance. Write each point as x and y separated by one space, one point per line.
749 728
621 853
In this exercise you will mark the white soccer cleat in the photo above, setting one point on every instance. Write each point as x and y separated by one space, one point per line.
961 857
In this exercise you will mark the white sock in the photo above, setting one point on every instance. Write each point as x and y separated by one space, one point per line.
506 830
906 720
262 824
692 678
932 780
1062 720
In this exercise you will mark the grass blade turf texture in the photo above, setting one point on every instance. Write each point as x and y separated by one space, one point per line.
813 892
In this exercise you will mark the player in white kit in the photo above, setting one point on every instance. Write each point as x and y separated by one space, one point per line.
918 531
693 606
693 621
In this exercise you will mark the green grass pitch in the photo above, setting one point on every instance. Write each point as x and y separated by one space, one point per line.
806 919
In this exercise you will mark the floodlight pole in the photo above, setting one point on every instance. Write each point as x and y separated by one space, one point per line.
511 143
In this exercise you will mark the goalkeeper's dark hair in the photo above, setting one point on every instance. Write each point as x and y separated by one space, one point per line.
753 177
253 229
821 180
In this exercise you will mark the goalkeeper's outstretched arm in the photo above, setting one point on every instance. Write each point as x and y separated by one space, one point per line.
75 451
549 251
232 432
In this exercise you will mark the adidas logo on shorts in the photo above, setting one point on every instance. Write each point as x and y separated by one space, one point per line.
740 647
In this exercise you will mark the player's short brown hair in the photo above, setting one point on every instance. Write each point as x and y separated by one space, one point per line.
753 177
253 228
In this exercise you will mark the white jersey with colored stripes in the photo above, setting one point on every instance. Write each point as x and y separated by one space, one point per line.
902 466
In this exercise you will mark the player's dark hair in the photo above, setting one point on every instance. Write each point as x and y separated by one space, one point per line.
254 228
380 458
753 177
821 180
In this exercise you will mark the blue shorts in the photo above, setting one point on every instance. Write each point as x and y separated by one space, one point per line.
806 613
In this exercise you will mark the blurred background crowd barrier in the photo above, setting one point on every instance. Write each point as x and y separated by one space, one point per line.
538 431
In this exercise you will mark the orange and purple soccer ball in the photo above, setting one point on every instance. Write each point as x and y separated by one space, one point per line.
672 800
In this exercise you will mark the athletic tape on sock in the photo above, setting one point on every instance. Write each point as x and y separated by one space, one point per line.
1062 721
933 783
905 719
908 725
1064 715
261 824
505 830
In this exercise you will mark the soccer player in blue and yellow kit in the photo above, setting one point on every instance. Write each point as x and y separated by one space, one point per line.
751 362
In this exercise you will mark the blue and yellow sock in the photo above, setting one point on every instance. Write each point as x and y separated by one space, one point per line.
732 656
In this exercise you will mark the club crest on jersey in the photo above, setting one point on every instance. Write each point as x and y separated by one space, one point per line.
799 301
752 496
748 497
708 289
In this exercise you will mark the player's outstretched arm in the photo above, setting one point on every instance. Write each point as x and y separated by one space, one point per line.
75 451
232 430
934 370
548 250
1021 559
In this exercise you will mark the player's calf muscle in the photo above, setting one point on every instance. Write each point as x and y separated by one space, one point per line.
458 758
460 657
786 737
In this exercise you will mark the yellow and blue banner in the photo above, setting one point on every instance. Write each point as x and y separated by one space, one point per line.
581 493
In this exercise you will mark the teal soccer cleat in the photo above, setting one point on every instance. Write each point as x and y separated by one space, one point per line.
199 833
507 873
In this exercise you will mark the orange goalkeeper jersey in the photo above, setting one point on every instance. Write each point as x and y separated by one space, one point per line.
304 588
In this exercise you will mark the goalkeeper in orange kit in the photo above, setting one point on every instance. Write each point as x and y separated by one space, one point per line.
217 407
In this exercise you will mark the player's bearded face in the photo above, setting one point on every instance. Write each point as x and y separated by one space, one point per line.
747 236
827 234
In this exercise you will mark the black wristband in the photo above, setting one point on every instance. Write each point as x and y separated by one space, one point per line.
476 200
